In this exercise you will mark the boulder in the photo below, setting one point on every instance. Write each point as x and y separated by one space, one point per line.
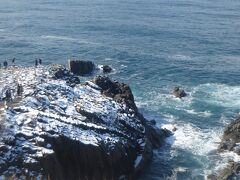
178 92
106 69
81 68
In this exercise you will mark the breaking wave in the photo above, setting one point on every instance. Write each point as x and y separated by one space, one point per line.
209 103
64 38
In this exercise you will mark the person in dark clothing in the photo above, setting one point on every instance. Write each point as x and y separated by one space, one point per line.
0 65
13 60
8 95
40 61
19 90
36 62
5 64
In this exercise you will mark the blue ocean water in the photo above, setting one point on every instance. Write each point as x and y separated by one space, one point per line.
153 45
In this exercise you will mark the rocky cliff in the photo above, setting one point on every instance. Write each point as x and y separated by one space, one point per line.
230 143
61 129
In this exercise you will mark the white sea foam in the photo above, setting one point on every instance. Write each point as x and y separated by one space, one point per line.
230 156
180 57
196 140
64 38
213 94
108 59
202 101
220 94
124 66
201 114
157 100
222 162
100 67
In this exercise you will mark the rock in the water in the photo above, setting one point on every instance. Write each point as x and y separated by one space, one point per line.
178 92
85 131
81 68
106 69
174 129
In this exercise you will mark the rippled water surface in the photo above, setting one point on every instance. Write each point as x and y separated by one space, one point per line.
153 45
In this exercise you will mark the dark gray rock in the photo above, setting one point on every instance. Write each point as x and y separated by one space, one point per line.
120 92
59 72
229 142
106 69
178 92
81 68
9 140
231 137
123 94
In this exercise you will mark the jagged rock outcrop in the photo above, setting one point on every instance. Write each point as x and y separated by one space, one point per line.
230 142
178 92
62 130
120 92
231 137
81 68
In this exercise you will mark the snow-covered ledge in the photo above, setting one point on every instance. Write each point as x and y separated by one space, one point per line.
63 129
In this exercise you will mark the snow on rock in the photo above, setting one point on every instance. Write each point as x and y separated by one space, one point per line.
58 120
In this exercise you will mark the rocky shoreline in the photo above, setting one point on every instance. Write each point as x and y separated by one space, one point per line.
230 142
63 129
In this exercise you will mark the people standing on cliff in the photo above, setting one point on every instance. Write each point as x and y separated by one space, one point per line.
5 64
13 61
36 62
40 61
8 95
19 90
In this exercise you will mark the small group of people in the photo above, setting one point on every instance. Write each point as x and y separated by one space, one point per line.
19 89
8 93
38 61
5 63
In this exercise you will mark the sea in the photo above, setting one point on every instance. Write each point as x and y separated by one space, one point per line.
152 45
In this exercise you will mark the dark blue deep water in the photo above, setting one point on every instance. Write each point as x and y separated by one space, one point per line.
153 45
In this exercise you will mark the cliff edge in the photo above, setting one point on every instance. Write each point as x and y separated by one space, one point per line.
63 129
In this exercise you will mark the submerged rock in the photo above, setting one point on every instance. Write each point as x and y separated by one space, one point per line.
106 69
81 68
178 92
62 130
